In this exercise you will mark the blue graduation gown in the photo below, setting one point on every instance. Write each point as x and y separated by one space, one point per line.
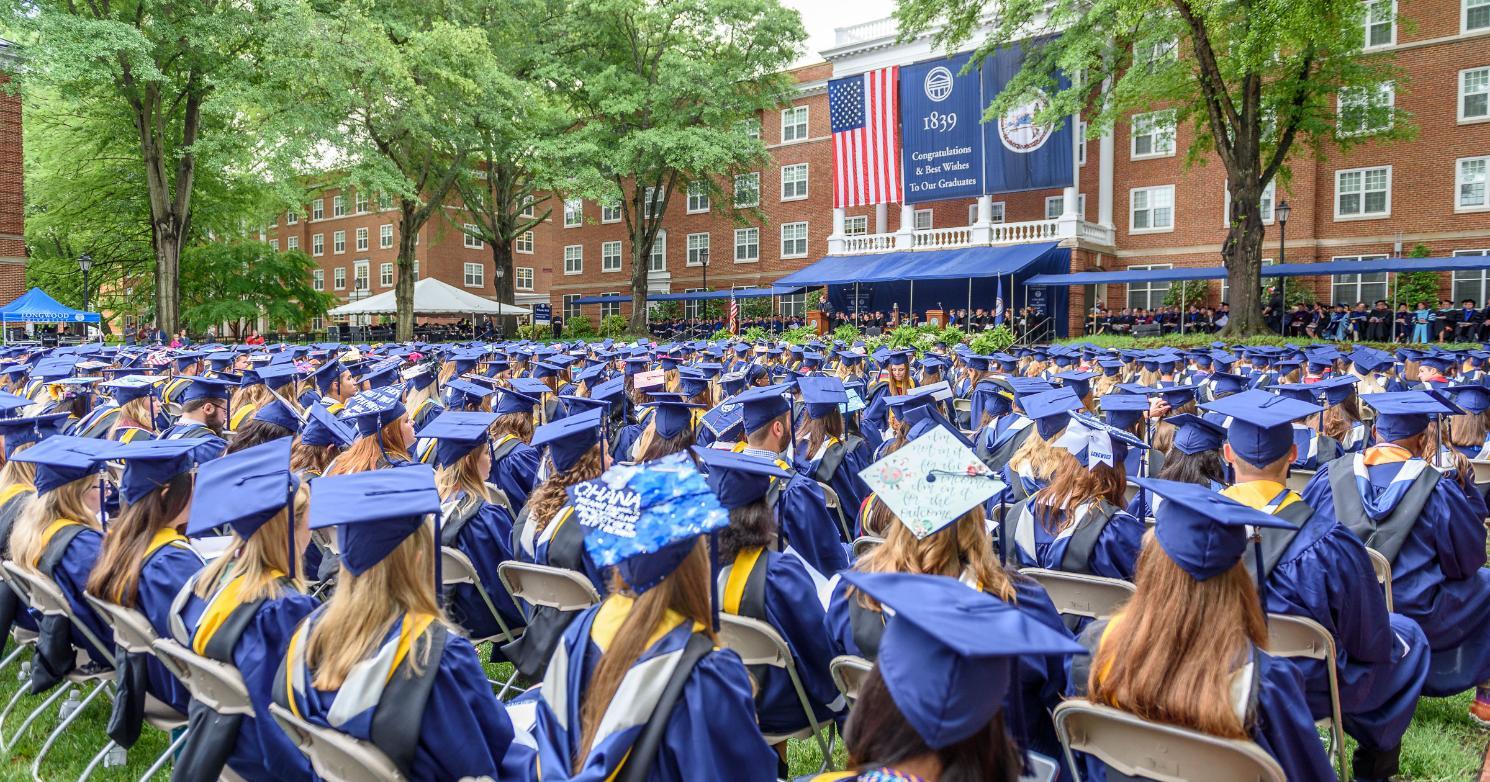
161 576
188 430
627 436
806 525
487 540
516 473
1115 555
846 483
1438 579
711 732
71 576
1314 451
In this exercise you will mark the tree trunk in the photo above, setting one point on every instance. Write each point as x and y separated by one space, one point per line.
1242 256
503 282
408 235
639 256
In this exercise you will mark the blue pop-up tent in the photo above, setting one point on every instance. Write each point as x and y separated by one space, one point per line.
35 306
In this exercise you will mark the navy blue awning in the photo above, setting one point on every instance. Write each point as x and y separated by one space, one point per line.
743 293
967 262
1454 263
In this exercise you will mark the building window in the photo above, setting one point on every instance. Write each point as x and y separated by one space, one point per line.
339 278
291 218
610 256
1363 193
385 202
361 239
274 245
1159 52
858 225
1469 184
1380 23
653 203
339 242
698 197
1474 94
794 182
385 275
524 243
292 242
1470 285
528 207
1081 143
1153 134
318 244
998 212
1054 205
1147 295
610 213
473 236
523 280
922 219
747 245
793 305
574 212
360 279
657 260
1264 204
751 127
318 209
1476 15
1350 288
693 309
385 235
338 206
416 268
475 275
361 201
318 279
794 124
574 259
698 249
609 308
748 190
571 306
794 240
1151 209
972 213
1364 110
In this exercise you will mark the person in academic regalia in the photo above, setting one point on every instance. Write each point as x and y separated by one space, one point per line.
1469 434
1034 463
204 412
272 421
17 489
825 450
1400 505
1194 457
420 397
939 702
514 467
639 686
1188 648
669 428
377 661
135 395
384 435
321 440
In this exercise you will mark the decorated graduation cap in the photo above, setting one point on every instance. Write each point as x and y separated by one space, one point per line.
368 411
1204 532
32 429
1402 414
1260 431
1124 410
762 405
457 434
1093 442
374 512
569 438
1194 434
280 414
738 479
1051 410
936 465
151 464
950 653
322 428
62 459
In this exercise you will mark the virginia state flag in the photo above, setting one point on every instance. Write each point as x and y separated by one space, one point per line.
1018 153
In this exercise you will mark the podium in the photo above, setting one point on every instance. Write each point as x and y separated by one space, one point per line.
819 322
936 318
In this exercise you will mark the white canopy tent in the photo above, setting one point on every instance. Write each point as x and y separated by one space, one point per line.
431 297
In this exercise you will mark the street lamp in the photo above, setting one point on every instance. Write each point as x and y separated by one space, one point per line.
85 263
1282 211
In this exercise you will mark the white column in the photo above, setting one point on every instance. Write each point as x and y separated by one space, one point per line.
881 218
835 239
982 232
1066 223
1106 149
905 237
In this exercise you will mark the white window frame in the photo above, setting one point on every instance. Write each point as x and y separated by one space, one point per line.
523 243
574 212
385 235
338 206
318 245
698 197
318 209
1267 203
1349 94
274 245
856 225
292 243
1464 15
1081 143
1360 283
652 202
609 308
1367 24
1159 128
799 176
338 242
751 126
752 184
528 207
1483 89
972 213
922 220
657 259
472 242
998 213
792 305
574 259
610 251
1362 214
794 227
570 305
610 213
794 129
339 278
1060 199
291 218
474 275
520 275
1480 279
385 274
361 275
359 201
385 202
360 238
1484 183
1152 209
318 279
1149 290
698 249
748 239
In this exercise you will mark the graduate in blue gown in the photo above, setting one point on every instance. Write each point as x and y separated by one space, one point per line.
1420 520
1321 571
379 664
939 700
514 467
17 488
825 450
1194 457
204 413
1194 593
1048 411
646 522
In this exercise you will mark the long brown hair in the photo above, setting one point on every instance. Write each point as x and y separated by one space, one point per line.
519 425
1466 430
311 458
1170 658
651 445
1074 485
816 431
962 547
262 560
549 497
687 591
877 735
116 575
364 455
750 526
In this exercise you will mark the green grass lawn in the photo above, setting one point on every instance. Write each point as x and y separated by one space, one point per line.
1443 744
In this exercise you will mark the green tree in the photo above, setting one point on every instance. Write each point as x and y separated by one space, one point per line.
1185 293
1254 79
1414 288
665 92
236 284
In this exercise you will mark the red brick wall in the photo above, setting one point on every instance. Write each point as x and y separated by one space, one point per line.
12 199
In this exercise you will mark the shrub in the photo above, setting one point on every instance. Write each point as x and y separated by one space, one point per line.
613 325
578 328
992 341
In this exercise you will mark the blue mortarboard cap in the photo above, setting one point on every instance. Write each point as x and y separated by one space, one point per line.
1194 434
610 391
1227 383
242 490
326 374
1338 389
1304 392
277 375
950 653
1124 410
53 367
1402 414
673 416
1029 386
513 401
1260 431
373 511
762 405
644 519
32 429
1174 396
151 464
62 459
278 413
463 393
381 374
186 359
569 438
738 479
1472 397
1367 360
1080 382
128 389
1204 532
1050 410
822 395
1440 362
208 388
323 428
457 434
371 410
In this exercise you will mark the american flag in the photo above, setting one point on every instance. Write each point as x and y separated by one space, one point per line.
865 113
734 314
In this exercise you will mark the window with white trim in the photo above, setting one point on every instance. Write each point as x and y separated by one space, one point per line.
653 202
523 279
1471 284
385 235
1476 15
698 249
1148 295
1474 94
523 243
1151 209
339 242
292 242
1380 23
360 200
318 244
610 256
1470 179
574 212
274 245
751 127
1265 203
610 213
1158 52
291 218
693 309
657 259
1153 134
794 240
858 225
609 308
1363 193
361 238
416 268
360 276
1081 143
338 206
339 278
571 306
747 245
1364 110
972 213
748 190
385 275
1348 289
475 275
794 182
318 279
528 207
473 237
1055 205
921 219
794 124
792 305
574 259
998 212
318 209
385 202
698 197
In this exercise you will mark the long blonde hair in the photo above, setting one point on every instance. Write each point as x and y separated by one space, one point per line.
64 502
1038 456
960 547
15 472
139 412
465 475
262 560
364 455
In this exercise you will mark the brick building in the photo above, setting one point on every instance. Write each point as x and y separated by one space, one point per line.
12 190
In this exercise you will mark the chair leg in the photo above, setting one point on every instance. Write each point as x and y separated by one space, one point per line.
9 707
166 756
36 712
97 759
57 732
13 656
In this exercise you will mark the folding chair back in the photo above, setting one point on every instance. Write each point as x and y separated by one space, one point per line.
43 595
132 631
1383 570
456 567
1151 750
216 684
335 756
830 499
542 585
848 673
1078 594
1130 492
864 544
1299 637
1481 470
758 643
1298 479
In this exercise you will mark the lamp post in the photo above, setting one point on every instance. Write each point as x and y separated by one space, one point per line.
703 259
501 274
1281 212
85 263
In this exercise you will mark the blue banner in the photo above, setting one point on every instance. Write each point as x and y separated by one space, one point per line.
1019 154
942 145
541 314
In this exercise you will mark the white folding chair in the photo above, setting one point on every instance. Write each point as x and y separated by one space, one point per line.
758 643
1150 750
1079 594
830 498
1481 470
1298 479
1129 492
457 568
1383 570
541 585
849 672
336 756
1298 637
133 634
864 544
963 405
